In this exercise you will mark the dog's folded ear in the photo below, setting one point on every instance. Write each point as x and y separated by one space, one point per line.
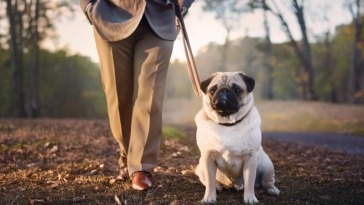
250 82
204 84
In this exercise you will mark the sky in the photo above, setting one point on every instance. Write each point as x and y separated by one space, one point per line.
76 35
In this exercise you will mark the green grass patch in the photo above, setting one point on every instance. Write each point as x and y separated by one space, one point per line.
170 132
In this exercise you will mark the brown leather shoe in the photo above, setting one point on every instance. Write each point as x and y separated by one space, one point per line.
141 180
123 173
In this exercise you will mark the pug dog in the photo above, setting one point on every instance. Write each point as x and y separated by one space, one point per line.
229 138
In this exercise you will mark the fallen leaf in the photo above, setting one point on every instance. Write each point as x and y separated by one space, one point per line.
175 202
176 154
46 145
92 172
112 181
117 200
34 201
53 150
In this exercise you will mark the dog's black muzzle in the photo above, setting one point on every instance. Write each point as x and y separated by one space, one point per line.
225 102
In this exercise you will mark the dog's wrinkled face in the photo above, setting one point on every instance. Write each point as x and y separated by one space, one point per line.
227 91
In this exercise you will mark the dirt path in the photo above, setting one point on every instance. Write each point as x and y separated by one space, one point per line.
340 142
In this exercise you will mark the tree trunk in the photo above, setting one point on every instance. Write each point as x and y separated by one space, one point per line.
297 51
16 30
329 68
356 72
34 69
306 52
303 54
268 87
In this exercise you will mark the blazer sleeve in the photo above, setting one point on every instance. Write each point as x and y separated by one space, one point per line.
188 3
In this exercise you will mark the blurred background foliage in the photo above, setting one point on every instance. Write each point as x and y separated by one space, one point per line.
69 86
36 82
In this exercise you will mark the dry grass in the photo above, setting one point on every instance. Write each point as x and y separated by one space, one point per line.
298 116
285 116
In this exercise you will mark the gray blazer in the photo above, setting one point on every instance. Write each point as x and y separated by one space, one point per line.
116 19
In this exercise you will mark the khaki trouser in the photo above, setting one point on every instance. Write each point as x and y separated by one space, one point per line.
133 73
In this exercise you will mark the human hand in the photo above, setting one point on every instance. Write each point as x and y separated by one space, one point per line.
180 3
182 7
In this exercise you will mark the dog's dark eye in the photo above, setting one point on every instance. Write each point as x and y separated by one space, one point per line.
212 90
237 89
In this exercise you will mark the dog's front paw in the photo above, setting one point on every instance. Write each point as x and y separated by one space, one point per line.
272 190
251 199
219 187
208 201
237 187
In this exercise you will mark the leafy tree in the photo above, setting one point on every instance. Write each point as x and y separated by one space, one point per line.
69 85
286 72
29 22
356 77
342 59
304 51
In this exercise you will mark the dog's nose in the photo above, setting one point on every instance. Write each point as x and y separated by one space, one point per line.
223 101
223 94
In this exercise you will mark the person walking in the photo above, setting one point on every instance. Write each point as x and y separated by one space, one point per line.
134 41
